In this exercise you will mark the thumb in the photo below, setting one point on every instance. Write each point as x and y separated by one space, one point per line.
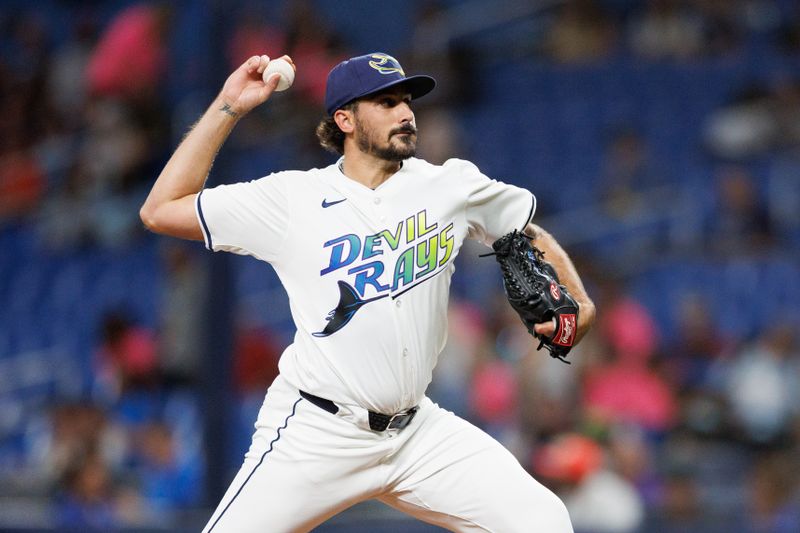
545 328
270 85
273 81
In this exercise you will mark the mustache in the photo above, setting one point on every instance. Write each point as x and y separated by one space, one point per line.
406 128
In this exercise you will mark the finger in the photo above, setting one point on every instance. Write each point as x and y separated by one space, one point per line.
545 328
252 64
273 81
289 60
262 65
269 87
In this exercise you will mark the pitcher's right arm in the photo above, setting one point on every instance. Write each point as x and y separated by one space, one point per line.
170 207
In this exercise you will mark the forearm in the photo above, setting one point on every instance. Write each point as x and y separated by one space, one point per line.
186 171
568 276
169 209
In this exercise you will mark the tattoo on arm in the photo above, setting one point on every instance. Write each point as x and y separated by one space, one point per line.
226 108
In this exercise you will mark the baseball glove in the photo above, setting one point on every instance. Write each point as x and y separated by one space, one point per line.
533 290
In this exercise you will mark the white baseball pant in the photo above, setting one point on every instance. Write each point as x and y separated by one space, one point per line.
306 465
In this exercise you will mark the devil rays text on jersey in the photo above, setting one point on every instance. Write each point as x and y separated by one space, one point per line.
427 249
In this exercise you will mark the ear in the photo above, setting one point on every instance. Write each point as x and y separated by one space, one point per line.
345 119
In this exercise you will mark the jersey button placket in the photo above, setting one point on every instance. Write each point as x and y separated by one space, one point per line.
379 212
408 361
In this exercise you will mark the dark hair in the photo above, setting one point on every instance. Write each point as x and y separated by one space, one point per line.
329 135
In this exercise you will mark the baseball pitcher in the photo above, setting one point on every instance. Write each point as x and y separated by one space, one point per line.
365 249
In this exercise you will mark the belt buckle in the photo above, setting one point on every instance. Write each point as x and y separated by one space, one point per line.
401 420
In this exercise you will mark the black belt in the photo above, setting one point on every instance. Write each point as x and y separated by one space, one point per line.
377 421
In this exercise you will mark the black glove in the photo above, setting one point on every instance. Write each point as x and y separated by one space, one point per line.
533 290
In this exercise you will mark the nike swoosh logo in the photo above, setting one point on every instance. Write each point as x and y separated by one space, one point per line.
326 203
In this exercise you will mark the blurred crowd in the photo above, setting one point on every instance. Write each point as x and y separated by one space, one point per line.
668 30
687 428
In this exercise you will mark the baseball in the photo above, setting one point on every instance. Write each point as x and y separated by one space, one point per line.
282 67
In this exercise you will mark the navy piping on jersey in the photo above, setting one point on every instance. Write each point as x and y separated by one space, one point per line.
203 222
530 214
271 444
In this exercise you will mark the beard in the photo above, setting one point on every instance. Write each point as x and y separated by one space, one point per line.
396 147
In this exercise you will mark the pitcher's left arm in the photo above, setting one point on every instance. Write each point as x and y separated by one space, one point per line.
568 276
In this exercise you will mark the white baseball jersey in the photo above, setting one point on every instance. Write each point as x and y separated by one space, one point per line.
367 271
368 274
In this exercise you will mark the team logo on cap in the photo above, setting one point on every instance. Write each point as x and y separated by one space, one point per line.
386 64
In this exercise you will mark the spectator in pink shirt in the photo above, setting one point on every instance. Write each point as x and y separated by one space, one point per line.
131 55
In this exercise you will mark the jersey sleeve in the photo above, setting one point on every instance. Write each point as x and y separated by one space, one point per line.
248 218
493 208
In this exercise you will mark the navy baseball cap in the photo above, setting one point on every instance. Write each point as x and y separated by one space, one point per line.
367 74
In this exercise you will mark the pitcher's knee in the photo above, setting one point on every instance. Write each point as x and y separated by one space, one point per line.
548 514
534 511
558 517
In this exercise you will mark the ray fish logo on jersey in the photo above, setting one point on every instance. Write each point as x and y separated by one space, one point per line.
386 64
424 251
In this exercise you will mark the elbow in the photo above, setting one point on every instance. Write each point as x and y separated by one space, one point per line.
587 313
586 318
172 218
147 214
